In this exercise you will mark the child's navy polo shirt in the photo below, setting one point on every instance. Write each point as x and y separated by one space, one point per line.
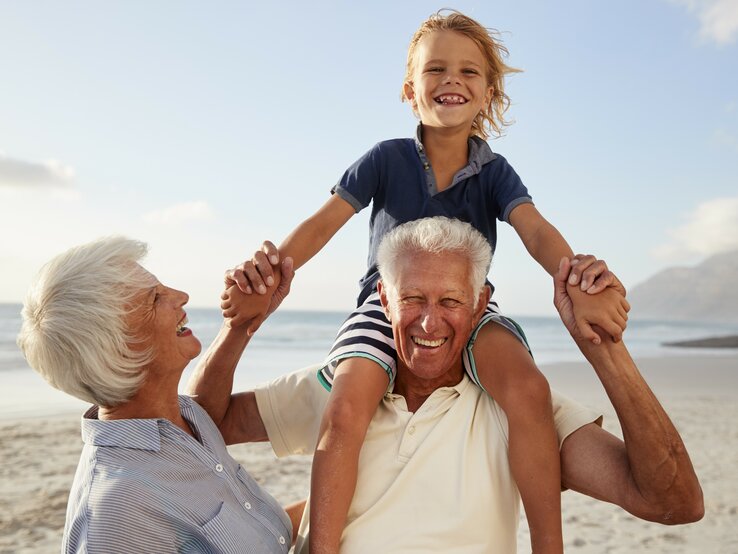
396 178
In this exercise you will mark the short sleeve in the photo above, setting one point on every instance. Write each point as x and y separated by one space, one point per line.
360 182
291 408
508 189
570 416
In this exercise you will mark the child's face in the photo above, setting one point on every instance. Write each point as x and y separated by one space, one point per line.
449 86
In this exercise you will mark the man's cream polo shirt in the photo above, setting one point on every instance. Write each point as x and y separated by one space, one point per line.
437 480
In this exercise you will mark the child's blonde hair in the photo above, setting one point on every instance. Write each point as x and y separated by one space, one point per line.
492 115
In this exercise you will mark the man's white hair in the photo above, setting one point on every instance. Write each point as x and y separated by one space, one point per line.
74 330
435 235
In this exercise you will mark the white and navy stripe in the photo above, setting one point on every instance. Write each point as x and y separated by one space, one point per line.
367 333
144 485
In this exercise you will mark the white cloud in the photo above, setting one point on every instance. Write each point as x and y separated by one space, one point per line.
712 228
724 138
718 18
22 173
180 213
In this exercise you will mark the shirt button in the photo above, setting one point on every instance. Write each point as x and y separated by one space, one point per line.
281 540
218 467
247 505
411 430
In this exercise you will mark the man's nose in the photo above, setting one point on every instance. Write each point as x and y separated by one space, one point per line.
430 319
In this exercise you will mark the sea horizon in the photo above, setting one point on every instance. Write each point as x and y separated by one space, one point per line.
292 339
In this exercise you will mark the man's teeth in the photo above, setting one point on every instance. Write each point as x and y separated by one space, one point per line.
451 99
181 326
431 343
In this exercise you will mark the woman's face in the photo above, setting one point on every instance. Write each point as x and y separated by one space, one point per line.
158 321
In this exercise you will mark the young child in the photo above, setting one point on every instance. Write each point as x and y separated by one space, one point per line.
455 85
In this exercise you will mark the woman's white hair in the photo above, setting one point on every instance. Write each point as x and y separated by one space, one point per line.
435 235
74 330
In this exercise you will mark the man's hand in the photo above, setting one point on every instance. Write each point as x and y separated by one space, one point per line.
580 310
592 275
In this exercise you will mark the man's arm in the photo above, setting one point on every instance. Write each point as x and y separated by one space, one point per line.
649 473
236 415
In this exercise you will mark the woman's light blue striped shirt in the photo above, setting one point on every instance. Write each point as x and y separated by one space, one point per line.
144 485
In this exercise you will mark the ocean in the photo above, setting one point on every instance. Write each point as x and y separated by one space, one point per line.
290 340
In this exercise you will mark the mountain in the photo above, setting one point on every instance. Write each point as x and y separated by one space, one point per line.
707 292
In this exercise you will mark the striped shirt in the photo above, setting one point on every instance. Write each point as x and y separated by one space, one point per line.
144 485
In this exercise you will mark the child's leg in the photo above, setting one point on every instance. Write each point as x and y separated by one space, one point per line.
358 387
508 373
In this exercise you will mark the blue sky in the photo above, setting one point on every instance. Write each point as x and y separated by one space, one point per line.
204 128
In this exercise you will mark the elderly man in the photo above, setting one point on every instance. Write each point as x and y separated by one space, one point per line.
433 470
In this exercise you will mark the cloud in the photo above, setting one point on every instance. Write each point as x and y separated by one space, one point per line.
21 173
718 18
180 213
712 228
724 138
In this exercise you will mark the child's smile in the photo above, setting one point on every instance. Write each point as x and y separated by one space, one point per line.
451 99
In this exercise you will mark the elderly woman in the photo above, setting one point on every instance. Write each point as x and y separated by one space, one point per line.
154 475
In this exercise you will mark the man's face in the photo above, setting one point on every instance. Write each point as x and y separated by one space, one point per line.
433 309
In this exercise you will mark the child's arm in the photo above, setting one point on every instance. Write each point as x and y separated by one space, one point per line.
547 246
301 244
306 240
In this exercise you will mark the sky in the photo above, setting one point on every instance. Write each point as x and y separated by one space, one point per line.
204 128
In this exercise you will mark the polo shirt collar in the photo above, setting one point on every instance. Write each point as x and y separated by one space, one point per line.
479 154
138 434
455 390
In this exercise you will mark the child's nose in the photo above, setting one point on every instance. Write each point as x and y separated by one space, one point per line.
450 78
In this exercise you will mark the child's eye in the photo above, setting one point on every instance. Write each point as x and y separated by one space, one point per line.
471 71
434 69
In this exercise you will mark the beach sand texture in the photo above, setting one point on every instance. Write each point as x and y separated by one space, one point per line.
39 457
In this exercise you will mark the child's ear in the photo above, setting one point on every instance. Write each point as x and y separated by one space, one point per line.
489 95
409 92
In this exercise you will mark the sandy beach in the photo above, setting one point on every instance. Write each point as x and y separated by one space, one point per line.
39 457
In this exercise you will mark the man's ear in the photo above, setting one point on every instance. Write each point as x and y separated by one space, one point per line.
482 301
382 290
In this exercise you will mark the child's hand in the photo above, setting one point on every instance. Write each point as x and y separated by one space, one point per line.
608 309
592 275
241 308
255 274
579 311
